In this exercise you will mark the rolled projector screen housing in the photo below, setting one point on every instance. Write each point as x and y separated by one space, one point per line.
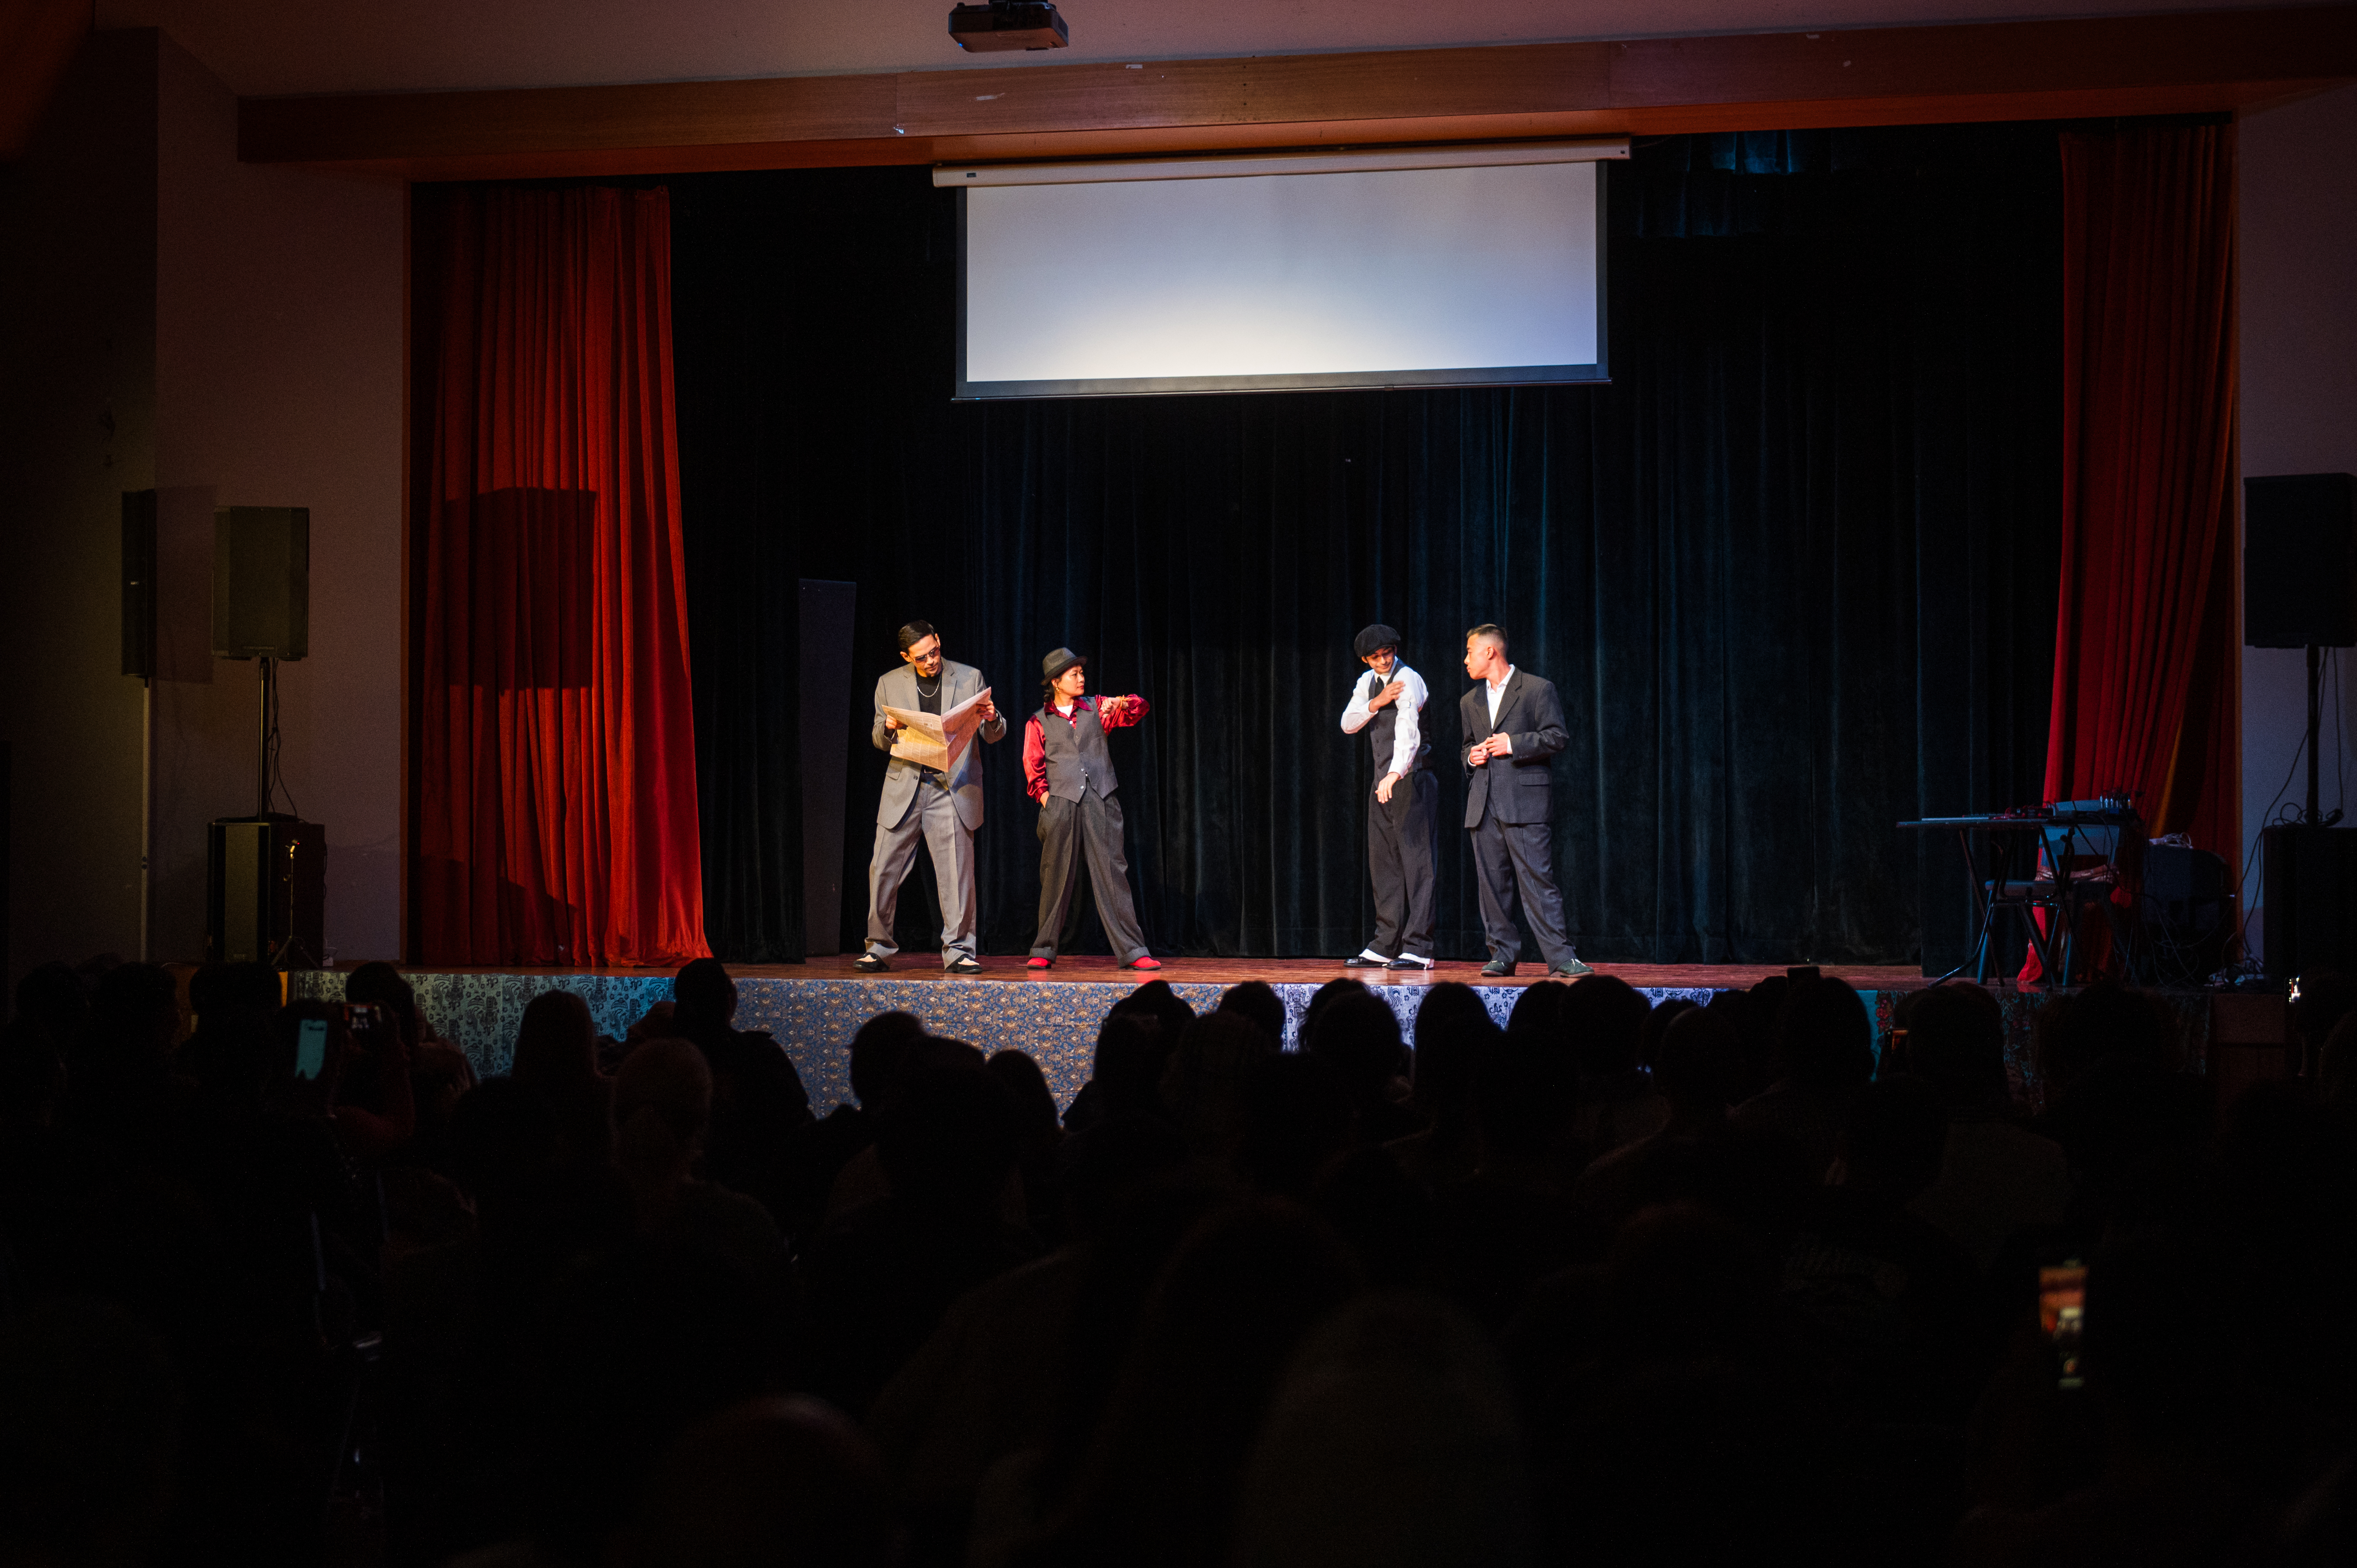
1418 276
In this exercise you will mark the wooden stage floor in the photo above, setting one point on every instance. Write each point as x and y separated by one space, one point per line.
1078 970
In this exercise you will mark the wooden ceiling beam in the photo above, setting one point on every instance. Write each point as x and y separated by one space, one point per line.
2180 62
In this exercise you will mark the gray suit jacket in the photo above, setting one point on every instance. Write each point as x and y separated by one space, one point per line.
1518 788
899 689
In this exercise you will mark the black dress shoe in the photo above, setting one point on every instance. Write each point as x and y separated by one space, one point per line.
868 963
1497 969
1569 969
963 966
1360 961
1423 965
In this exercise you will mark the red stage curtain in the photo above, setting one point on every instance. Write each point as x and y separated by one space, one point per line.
556 773
2146 673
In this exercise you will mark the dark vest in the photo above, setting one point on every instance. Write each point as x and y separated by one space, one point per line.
1075 752
1383 733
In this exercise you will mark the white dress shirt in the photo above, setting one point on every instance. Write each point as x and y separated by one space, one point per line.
1497 695
1407 734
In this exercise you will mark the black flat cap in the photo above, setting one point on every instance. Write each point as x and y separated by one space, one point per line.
1376 637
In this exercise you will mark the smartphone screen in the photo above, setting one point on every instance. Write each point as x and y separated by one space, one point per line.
310 1048
2063 1313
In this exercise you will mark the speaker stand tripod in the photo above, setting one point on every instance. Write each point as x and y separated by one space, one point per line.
2312 818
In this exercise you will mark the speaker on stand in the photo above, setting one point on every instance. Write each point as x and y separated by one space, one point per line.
2300 590
266 874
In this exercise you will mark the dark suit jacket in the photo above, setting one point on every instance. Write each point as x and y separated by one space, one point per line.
1516 787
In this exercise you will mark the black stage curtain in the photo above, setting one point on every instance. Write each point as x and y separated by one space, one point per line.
1793 571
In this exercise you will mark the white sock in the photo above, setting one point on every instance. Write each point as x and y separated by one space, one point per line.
1379 957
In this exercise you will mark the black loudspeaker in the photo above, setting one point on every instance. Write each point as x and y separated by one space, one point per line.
262 582
139 584
267 891
2300 562
2189 914
2311 898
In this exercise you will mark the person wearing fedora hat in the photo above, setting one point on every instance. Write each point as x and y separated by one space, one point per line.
1403 819
1067 769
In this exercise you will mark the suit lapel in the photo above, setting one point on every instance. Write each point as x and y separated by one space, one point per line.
1506 699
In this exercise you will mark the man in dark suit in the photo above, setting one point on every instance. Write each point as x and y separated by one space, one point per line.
1512 726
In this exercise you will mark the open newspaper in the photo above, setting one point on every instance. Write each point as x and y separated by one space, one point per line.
937 740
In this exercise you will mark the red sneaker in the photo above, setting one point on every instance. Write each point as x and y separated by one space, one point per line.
1143 960
1040 964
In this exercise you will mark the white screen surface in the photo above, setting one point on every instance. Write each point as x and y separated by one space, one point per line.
1369 277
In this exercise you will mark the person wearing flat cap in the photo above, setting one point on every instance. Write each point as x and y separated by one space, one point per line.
943 809
1403 819
1068 771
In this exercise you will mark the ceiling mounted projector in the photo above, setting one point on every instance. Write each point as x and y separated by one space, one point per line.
1008 25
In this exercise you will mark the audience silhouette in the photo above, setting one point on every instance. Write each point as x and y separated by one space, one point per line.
1614 1282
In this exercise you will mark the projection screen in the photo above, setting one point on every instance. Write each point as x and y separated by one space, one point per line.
1282 272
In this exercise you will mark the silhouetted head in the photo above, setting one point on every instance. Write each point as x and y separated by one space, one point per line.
1891 1140
1392 1442
1539 1011
948 1140
1603 1019
502 1137
1258 1001
662 1104
1453 1029
1524 1097
1657 1022
704 995
557 1045
1156 1000
880 1053
1207 1078
773 1481
382 983
1359 1037
1955 1042
32 1075
2106 1021
1322 998
135 1015
53 997
1701 1066
217 988
1823 1037
1027 1094
1295 1123
1131 1049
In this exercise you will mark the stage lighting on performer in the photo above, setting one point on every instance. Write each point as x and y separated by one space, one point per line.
1008 25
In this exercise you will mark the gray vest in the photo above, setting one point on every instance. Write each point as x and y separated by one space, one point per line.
1075 753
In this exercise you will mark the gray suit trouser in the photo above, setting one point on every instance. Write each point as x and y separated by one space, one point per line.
1068 830
932 816
1506 854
